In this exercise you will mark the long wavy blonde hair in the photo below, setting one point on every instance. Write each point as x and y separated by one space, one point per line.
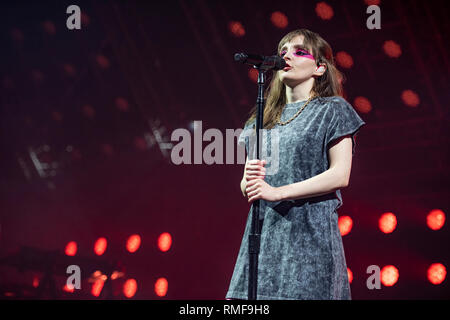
327 85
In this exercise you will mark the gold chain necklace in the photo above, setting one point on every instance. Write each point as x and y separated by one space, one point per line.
295 116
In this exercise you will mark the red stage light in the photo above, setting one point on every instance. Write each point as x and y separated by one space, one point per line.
69 69
100 246
140 143
389 275
161 287
392 49
122 104
130 288
68 288
133 243
85 20
324 11
236 28
88 111
35 281
344 59
345 225
410 98
350 275
387 222
279 19
107 149
57 116
436 219
97 287
362 104
102 61
372 2
49 27
437 273
164 241
253 74
71 248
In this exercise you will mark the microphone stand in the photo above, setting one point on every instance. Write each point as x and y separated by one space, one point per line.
262 64
254 238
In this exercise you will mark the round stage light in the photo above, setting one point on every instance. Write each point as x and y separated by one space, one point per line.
387 222
389 275
436 219
161 287
130 288
349 275
100 246
71 248
133 243
345 224
164 241
437 273
324 11
279 19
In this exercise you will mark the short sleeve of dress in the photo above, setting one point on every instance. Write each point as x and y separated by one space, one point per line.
245 135
344 121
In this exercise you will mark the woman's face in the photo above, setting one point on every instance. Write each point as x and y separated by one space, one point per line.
300 64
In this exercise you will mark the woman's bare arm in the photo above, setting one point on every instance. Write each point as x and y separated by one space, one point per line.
336 177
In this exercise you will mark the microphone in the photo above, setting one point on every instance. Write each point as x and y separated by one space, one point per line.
262 62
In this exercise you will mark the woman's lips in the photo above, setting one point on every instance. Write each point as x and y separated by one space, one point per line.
287 68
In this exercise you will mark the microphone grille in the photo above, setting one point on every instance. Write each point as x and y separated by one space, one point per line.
240 57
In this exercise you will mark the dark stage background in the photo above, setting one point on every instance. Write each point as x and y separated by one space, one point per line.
86 118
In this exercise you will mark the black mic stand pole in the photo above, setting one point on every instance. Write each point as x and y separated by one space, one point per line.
254 238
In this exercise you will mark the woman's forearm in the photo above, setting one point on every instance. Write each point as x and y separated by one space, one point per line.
326 182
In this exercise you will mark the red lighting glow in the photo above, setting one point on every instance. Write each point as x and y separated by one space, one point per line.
122 104
49 27
164 241
88 111
349 275
97 287
35 282
69 69
140 143
389 275
324 11
362 104
71 248
253 74
68 288
387 222
100 246
410 98
107 149
344 59
372 2
345 225
161 286
437 273
133 243
436 219
279 19
130 288
236 28
102 61
392 49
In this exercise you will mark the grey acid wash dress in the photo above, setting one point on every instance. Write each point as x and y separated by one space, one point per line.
301 254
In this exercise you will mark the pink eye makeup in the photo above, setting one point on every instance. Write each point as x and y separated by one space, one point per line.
299 53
